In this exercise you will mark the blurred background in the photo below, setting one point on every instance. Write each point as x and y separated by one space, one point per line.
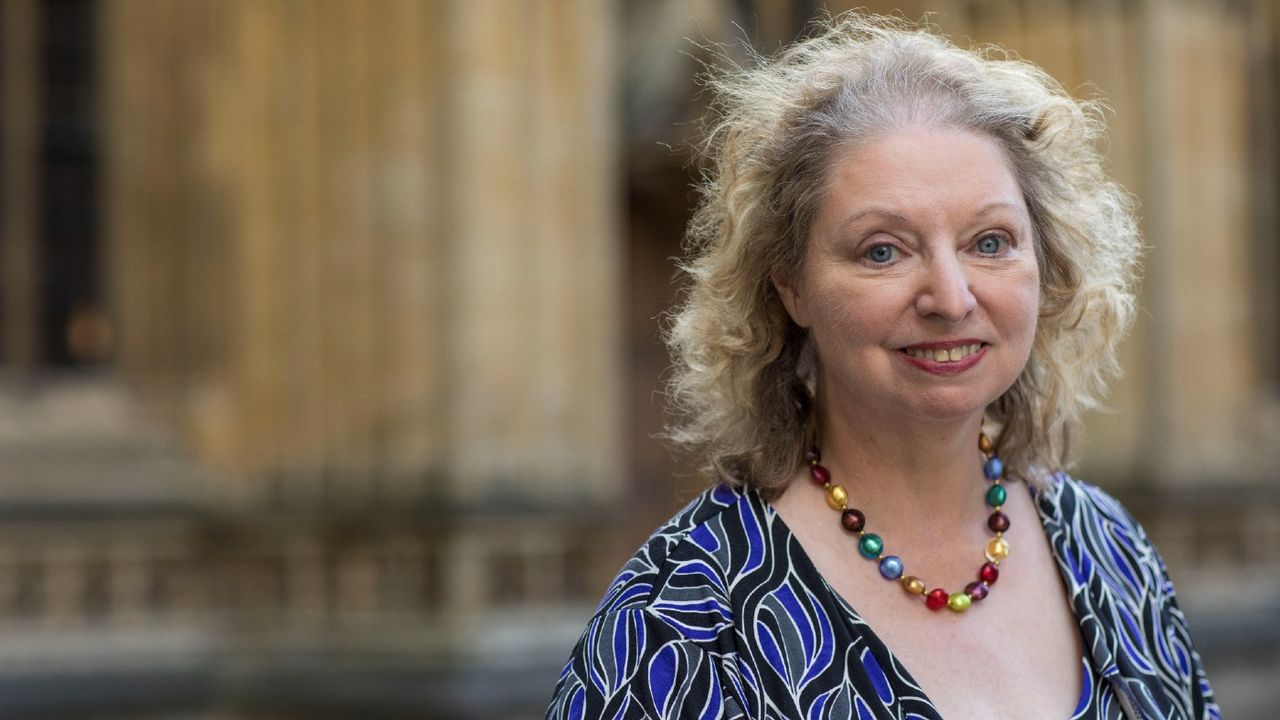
329 333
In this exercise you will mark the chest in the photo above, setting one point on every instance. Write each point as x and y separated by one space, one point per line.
1008 664
1019 656
1016 654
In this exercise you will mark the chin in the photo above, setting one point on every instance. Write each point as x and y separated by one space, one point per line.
948 407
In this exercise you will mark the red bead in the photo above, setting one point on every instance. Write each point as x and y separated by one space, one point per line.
976 590
936 599
988 573
998 522
853 520
812 457
820 475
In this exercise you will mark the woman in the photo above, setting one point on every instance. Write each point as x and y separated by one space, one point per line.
909 275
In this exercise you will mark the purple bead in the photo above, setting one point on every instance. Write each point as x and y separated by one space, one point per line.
976 590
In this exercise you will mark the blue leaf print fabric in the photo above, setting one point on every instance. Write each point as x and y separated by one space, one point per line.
721 615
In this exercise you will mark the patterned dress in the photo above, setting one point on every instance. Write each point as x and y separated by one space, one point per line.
721 615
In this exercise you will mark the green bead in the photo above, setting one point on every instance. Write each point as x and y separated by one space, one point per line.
870 546
959 602
996 495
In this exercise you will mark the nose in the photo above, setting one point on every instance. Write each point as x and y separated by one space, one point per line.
944 292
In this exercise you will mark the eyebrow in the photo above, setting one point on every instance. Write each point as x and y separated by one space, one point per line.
997 205
900 218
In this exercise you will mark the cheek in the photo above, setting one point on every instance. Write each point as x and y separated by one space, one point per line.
853 315
1025 302
1013 301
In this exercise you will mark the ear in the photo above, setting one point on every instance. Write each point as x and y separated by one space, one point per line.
785 285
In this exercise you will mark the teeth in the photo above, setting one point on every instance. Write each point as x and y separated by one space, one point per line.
951 355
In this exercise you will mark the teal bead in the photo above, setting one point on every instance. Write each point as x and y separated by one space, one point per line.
870 546
996 495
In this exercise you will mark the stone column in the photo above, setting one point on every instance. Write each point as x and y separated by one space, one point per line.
368 251
1201 409
530 308
20 145
1111 62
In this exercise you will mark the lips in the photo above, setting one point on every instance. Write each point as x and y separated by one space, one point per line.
954 353
947 357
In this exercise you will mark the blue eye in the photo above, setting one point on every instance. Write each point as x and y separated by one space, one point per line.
991 244
882 253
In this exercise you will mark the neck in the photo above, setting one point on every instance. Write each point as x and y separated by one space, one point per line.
905 471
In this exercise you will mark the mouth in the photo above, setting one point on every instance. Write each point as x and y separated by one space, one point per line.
945 352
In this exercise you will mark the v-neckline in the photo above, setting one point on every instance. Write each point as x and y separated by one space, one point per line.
874 639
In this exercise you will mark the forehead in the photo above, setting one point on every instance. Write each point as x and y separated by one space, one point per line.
921 171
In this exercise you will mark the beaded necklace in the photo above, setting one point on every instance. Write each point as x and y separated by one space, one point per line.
871 545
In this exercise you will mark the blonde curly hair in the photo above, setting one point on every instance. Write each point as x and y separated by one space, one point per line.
741 384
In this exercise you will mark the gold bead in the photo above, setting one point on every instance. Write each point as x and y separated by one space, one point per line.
913 585
984 443
837 497
997 549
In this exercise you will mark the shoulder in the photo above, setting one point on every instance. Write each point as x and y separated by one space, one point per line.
1072 495
692 552
657 645
1097 538
1087 509
1124 600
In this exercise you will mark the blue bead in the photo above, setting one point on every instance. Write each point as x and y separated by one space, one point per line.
993 469
891 567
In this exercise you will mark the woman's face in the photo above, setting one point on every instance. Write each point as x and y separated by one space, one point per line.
920 283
